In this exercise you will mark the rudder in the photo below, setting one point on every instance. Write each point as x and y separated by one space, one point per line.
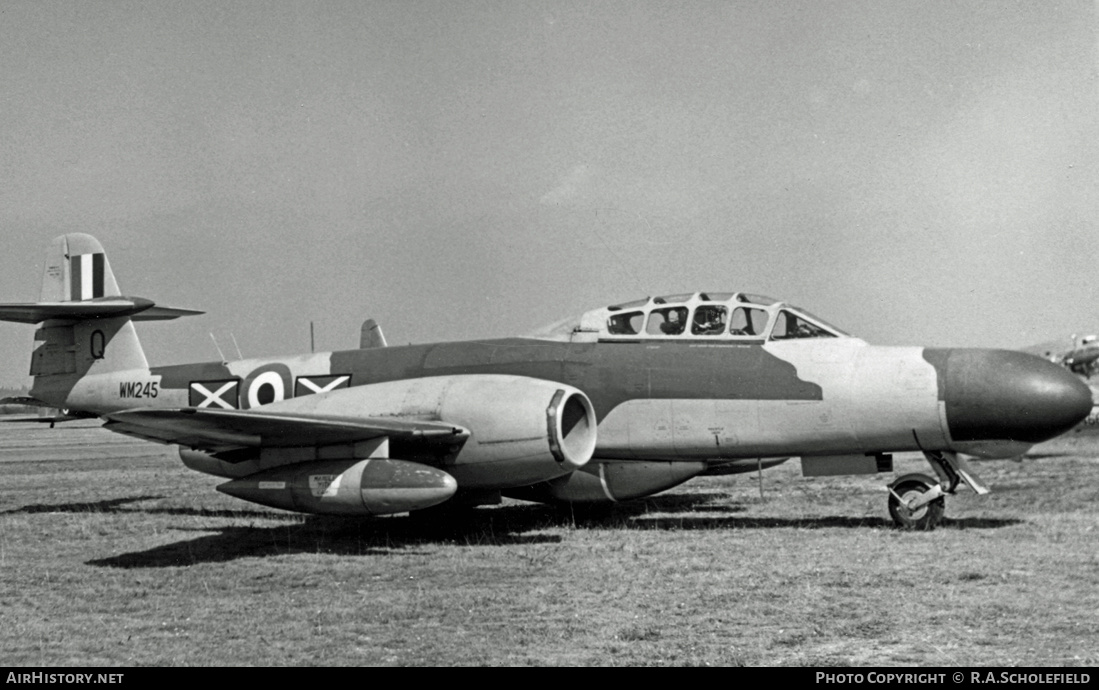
77 270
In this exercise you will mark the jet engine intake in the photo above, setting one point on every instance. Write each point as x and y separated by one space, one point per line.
522 430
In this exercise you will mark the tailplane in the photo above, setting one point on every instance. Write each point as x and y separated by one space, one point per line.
87 324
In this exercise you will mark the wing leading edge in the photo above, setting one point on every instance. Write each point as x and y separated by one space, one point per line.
216 430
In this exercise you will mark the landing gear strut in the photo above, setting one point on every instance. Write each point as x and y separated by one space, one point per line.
917 502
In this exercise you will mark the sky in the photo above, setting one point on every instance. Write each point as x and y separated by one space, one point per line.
915 173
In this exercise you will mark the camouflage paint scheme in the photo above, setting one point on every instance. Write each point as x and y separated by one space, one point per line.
692 399
647 409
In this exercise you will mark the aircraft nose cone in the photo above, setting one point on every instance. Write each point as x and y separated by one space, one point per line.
1005 395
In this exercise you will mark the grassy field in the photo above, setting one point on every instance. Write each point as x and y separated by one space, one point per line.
112 553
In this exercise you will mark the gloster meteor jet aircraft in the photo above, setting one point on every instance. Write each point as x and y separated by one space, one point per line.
622 402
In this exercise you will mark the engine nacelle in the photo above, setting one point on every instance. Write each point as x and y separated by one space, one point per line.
522 430
601 482
376 486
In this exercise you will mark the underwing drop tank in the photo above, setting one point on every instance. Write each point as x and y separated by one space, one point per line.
375 486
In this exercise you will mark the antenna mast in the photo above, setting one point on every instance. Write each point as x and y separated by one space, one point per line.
234 338
217 348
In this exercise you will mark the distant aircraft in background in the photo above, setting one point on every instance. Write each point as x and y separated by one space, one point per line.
1081 357
621 402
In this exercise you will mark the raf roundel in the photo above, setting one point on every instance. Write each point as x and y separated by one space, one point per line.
265 385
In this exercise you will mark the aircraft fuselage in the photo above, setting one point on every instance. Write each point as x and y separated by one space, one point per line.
662 400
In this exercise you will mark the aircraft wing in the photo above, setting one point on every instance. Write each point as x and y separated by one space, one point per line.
216 429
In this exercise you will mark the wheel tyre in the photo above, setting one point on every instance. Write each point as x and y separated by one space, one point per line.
923 518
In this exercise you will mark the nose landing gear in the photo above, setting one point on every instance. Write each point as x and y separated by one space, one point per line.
917 502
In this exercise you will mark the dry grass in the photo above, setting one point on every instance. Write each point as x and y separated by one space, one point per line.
112 553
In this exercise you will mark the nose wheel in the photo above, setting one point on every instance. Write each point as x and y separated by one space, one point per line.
916 503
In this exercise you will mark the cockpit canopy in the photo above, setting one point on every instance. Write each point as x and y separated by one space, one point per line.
733 316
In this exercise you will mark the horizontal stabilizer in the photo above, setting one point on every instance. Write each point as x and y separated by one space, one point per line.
211 429
48 419
155 313
25 400
138 308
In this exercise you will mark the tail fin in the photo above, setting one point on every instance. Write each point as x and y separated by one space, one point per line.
87 325
77 270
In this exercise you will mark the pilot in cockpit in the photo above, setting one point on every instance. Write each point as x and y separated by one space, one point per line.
673 322
709 320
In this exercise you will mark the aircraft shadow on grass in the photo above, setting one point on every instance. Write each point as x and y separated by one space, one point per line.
120 505
1047 456
652 513
504 526
351 536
